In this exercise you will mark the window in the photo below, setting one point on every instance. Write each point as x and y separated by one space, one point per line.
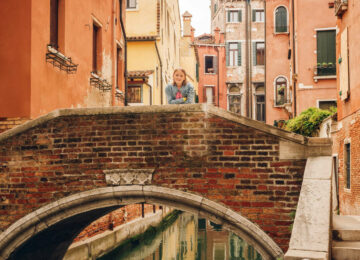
118 67
209 94
281 23
233 54
96 48
131 4
134 94
234 16
234 98
326 104
347 164
210 64
258 16
54 23
259 53
280 91
215 7
260 102
326 52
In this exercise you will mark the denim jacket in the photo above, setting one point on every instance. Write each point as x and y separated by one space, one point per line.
187 92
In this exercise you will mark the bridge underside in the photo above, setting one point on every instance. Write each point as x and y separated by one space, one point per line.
53 242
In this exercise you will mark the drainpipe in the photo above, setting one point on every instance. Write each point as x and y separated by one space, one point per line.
161 70
218 75
294 55
125 53
247 57
150 92
265 59
113 55
250 65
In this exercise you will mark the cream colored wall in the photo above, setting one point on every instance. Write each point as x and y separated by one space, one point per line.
142 20
188 61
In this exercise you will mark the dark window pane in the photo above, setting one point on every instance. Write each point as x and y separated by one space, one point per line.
281 19
54 22
326 105
347 165
209 64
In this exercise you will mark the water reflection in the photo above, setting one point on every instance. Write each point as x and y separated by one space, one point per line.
188 238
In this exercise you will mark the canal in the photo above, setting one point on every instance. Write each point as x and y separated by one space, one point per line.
184 236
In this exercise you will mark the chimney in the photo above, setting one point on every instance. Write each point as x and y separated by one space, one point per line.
217 35
192 34
187 24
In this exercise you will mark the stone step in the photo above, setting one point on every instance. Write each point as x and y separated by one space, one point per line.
346 250
346 228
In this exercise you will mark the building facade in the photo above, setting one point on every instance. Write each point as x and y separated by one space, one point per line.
57 57
153 33
346 140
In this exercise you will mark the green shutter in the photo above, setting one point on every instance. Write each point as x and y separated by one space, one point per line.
227 54
240 16
197 71
253 15
228 16
254 53
281 19
326 45
239 53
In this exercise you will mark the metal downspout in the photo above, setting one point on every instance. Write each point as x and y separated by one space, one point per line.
161 69
125 53
294 56
247 57
265 59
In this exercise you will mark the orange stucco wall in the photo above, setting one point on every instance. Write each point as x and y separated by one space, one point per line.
47 87
15 58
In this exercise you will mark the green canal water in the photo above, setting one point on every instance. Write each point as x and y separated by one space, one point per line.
184 236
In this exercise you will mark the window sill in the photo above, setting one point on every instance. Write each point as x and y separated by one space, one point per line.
233 67
57 59
232 22
280 33
210 73
136 104
284 105
316 78
132 9
98 82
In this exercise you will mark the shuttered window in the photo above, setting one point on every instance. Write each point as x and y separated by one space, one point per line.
281 24
234 16
131 4
258 53
326 47
234 54
347 165
96 63
258 16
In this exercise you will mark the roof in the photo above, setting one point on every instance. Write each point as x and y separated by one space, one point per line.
140 73
142 38
187 14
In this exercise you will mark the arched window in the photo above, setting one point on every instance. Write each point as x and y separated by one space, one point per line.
280 91
234 98
281 24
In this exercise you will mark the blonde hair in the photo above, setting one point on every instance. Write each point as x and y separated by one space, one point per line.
183 71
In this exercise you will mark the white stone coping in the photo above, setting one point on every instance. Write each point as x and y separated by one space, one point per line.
311 230
48 215
206 108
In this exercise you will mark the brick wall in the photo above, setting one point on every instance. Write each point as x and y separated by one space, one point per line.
349 199
116 218
8 123
225 161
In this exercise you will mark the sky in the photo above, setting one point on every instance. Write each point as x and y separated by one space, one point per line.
200 11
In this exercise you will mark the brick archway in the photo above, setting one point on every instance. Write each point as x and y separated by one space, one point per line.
111 197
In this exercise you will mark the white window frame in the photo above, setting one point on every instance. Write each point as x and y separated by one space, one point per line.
235 63
287 90
259 9
287 20
321 100
232 9
229 94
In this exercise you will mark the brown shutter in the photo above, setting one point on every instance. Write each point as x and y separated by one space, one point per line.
204 95
213 93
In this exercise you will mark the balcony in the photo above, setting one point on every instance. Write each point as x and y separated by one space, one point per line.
59 60
324 71
340 7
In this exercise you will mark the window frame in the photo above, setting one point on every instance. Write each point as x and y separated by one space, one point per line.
239 16
347 168
213 67
235 54
287 20
318 75
286 97
132 8
141 94
324 100
256 11
229 85
256 53
212 87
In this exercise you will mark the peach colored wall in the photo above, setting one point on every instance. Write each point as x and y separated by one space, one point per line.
306 57
15 58
212 79
277 62
49 87
351 20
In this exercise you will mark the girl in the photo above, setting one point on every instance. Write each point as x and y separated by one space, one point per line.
180 91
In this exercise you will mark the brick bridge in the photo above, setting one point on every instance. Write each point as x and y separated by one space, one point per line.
60 172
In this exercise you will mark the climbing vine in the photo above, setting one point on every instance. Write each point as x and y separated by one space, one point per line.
309 121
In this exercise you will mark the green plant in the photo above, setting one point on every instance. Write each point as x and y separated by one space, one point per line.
309 121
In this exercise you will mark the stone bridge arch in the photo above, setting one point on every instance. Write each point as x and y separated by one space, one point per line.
34 229
252 168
